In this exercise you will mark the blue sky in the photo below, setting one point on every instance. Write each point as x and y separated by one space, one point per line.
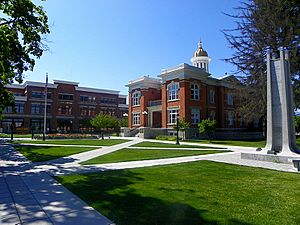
106 43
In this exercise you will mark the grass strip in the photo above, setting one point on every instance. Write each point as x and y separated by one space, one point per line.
45 153
167 145
126 154
100 142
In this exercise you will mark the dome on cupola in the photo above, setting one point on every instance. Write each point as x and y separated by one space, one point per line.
200 58
200 51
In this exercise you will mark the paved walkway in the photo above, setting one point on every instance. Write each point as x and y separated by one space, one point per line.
36 198
29 195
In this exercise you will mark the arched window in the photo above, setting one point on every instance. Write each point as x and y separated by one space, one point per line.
173 89
195 92
136 96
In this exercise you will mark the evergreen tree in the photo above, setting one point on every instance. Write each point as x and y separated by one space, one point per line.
263 25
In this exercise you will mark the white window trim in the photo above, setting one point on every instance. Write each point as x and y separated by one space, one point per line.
169 118
138 93
139 115
195 99
168 89
199 115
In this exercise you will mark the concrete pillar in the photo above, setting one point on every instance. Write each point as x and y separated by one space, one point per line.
280 122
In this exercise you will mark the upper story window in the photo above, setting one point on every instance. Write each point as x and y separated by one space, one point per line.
38 108
68 97
89 99
229 99
106 100
195 115
136 96
8 109
65 110
40 94
195 92
173 89
212 96
19 106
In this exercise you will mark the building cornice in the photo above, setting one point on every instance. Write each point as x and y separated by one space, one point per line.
96 90
144 82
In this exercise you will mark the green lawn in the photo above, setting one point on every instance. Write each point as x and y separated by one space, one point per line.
100 142
15 135
167 145
191 193
245 143
127 154
45 153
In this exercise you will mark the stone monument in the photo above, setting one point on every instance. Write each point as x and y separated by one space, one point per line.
281 139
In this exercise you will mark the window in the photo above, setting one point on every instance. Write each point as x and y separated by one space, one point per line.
212 96
65 110
38 108
136 98
8 109
19 107
37 94
194 91
172 116
35 108
136 118
229 99
89 99
68 97
212 115
173 89
230 118
195 116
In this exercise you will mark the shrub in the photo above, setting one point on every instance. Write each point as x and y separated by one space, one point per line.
165 138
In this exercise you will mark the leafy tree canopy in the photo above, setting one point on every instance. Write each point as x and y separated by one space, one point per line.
207 126
22 25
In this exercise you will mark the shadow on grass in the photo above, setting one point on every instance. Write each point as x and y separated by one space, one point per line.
31 152
112 194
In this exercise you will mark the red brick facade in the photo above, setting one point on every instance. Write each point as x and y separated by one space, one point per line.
69 106
211 101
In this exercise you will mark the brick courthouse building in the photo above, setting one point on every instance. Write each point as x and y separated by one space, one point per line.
69 106
187 91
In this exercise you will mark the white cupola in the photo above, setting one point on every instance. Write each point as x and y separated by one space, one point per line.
200 58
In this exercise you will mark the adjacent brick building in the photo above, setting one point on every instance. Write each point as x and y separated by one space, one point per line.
187 91
69 106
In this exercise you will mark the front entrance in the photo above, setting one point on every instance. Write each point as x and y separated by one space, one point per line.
156 119
64 126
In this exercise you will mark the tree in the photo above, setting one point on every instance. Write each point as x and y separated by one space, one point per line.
297 123
207 126
22 25
183 125
123 122
263 25
104 121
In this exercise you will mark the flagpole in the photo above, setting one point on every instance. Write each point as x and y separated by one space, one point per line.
45 108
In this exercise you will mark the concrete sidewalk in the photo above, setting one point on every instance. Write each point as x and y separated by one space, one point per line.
37 198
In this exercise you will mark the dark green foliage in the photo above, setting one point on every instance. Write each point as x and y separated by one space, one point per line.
104 121
297 123
263 25
22 25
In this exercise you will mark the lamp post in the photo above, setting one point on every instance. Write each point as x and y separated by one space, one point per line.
145 113
45 108
177 131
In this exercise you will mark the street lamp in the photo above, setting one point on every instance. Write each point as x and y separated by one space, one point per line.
125 114
177 130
